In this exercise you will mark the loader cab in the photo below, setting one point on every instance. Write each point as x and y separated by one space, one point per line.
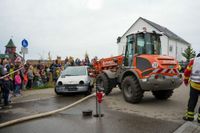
141 43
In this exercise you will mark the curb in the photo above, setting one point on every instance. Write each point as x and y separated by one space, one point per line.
188 127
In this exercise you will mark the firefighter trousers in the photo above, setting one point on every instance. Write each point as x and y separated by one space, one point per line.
194 95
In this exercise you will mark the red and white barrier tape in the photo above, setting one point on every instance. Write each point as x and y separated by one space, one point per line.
11 73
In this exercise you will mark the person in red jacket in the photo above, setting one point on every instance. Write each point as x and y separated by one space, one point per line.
192 77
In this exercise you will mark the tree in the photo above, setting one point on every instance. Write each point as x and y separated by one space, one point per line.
189 53
49 56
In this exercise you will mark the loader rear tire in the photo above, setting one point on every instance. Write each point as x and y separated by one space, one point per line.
131 89
103 81
162 94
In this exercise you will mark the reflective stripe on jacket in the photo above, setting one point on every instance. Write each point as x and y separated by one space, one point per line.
195 75
187 75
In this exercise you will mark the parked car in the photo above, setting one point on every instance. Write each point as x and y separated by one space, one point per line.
74 79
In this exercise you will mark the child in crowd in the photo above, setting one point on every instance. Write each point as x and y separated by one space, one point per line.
57 73
30 77
18 82
25 79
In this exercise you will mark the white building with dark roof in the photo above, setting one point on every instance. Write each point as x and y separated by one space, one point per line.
171 44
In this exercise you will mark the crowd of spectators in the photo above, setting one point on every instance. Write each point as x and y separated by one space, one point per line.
17 76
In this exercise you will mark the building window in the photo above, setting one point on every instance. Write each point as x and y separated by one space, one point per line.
170 48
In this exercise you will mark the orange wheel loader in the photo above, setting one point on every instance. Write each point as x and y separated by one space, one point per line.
141 68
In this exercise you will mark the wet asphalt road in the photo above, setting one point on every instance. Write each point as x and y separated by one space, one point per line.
72 121
19 110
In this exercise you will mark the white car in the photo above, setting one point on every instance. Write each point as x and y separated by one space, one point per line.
74 79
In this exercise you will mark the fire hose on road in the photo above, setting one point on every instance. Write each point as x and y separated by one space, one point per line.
26 118
44 114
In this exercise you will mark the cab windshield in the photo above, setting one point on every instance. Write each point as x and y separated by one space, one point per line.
148 43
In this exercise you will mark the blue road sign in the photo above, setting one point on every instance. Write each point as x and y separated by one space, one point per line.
24 43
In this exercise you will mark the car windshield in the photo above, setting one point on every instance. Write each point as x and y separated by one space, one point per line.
74 71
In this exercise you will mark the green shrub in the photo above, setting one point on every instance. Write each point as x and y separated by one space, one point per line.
45 86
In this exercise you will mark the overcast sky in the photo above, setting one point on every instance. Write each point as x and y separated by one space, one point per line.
72 27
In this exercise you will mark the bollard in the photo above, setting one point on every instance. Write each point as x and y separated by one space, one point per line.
99 99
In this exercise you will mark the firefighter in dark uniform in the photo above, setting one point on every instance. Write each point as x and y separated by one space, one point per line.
192 77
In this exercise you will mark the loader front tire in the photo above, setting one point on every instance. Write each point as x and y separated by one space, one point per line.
103 81
131 89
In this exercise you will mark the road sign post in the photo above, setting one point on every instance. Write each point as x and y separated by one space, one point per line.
24 43
24 48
